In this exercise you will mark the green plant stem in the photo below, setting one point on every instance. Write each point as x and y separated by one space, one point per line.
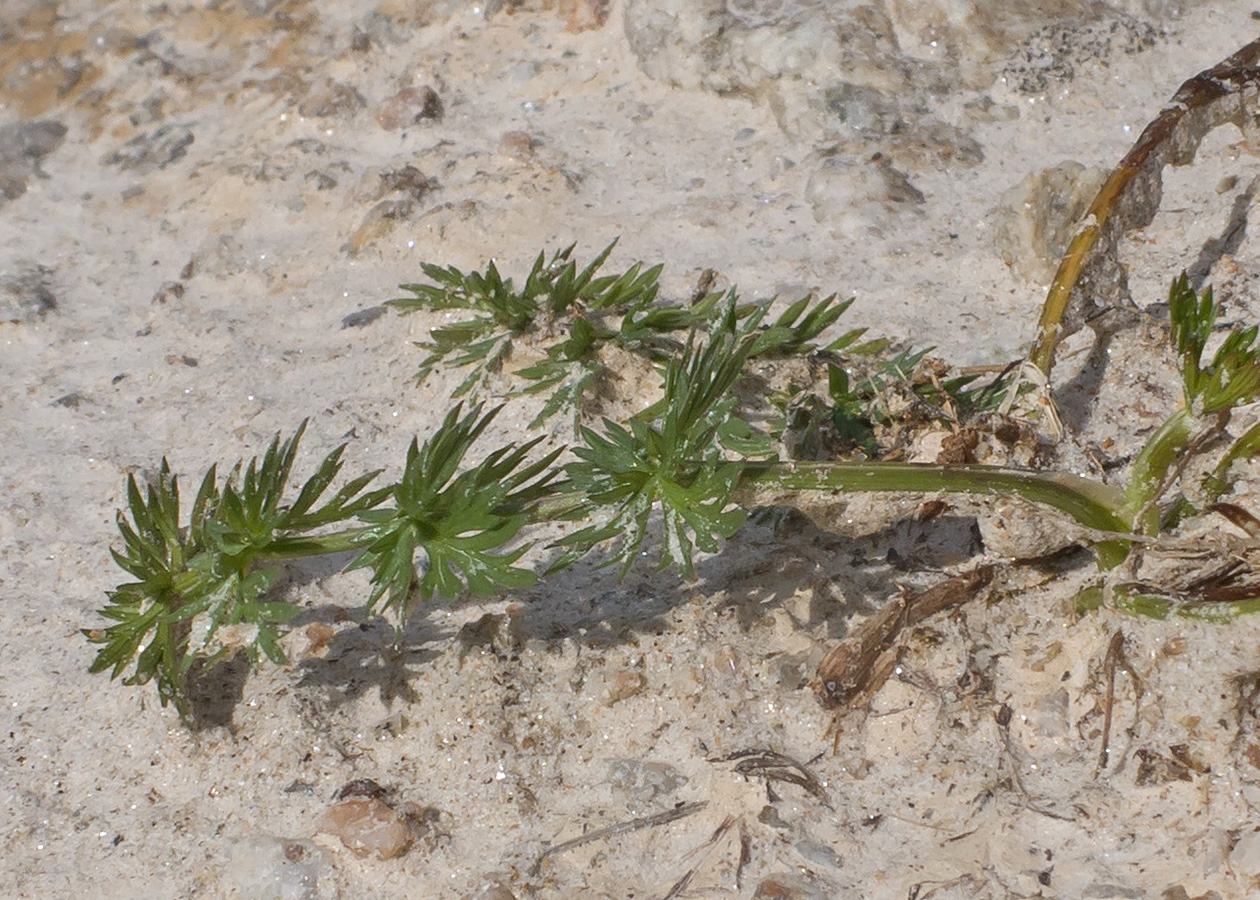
1140 600
1169 448
1160 452
1050 324
1091 503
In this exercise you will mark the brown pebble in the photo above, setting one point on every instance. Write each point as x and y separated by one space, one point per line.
959 448
409 106
330 99
318 634
367 826
583 15
517 144
622 684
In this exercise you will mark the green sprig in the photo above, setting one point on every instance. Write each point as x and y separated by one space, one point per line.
443 535
196 578
690 464
667 458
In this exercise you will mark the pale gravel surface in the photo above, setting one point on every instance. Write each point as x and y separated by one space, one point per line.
104 794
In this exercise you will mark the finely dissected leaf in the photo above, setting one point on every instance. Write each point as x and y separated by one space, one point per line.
1232 377
1211 391
198 577
566 385
568 371
1220 480
586 312
794 331
447 529
686 459
156 552
571 291
650 327
500 313
850 417
674 463
555 298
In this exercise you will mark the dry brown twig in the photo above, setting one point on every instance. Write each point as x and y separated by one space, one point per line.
1090 278
856 668
599 834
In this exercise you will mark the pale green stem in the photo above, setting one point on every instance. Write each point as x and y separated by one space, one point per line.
1091 503
1150 470
1132 598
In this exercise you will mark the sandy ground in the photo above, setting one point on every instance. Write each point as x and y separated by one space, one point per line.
193 197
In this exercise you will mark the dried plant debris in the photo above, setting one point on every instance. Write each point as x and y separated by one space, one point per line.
859 665
681 811
1178 764
362 787
1017 764
1115 659
706 849
776 767
1090 279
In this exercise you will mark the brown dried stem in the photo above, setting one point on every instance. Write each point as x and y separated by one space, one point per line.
1130 197
858 665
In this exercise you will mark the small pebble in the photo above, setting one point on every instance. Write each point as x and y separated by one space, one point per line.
643 781
1034 220
621 684
583 15
330 99
357 319
517 144
409 106
367 827
785 887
